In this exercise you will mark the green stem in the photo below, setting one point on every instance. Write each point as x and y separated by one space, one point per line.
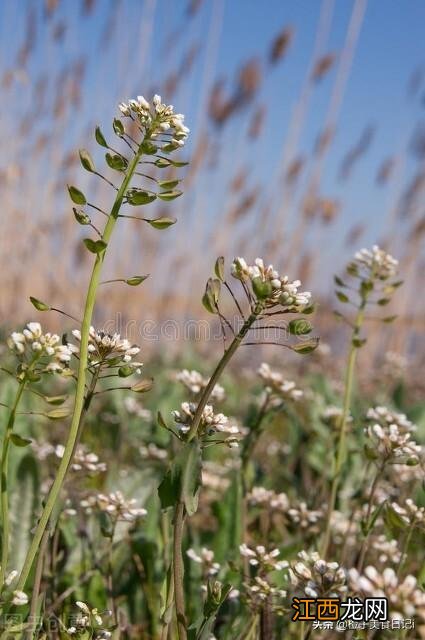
228 354
340 452
405 548
81 375
364 546
178 570
3 481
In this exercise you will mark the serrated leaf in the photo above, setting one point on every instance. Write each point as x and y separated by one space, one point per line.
136 280
342 297
87 161
19 441
299 327
183 480
39 305
76 195
162 222
219 268
58 414
100 139
169 195
118 127
137 197
116 162
95 246
143 385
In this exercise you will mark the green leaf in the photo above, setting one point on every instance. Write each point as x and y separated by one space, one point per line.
342 297
169 195
262 289
87 161
95 246
18 441
358 342
161 223
24 504
149 148
370 452
299 327
168 184
55 400
138 197
116 162
309 310
125 371
136 280
39 305
392 519
58 414
306 347
339 282
183 480
366 286
389 319
118 127
81 216
219 268
143 385
100 139
76 195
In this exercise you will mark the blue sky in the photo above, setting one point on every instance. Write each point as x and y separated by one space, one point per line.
137 58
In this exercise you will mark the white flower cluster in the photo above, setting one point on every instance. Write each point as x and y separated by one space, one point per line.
260 496
387 550
32 344
195 383
210 422
405 599
332 416
304 517
264 560
276 383
410 513
115 505
135 408
377 262
390 439
316 577
205 557
275 289
104 346
259 590
152 452
83 460
88 620
386 418
156 117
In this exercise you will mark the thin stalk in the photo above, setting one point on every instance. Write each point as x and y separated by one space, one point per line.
178 570
3 479
228 354
81 376
110 580
363 549
340 453
405 548
37 584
